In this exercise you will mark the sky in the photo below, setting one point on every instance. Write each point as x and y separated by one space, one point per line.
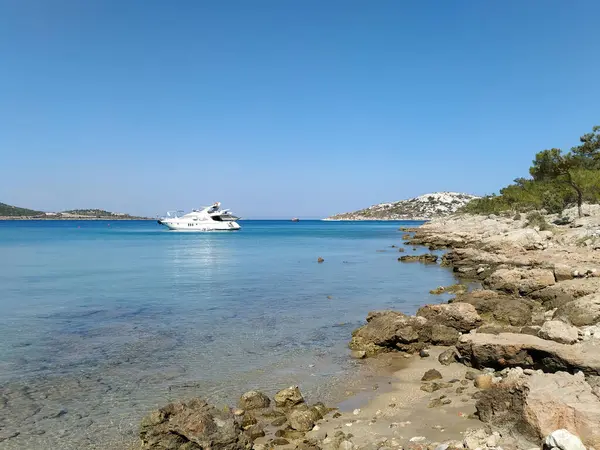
285 108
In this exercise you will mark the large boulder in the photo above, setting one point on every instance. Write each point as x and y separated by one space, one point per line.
192 425
502 308
289 397
303 419
542 403
510 350
581 312
388 330
558 331
254 400
520 281
563 440
566 291
462 317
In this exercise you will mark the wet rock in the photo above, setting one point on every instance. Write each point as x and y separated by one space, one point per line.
322 409
254 400
580 312
248 420
289 397
563 440
358 354
431 374
448 356
303 419
424 353
426 258
255 432
460 316
555 330
185 425
520 281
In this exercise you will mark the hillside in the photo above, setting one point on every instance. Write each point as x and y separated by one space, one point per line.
428 206
15 211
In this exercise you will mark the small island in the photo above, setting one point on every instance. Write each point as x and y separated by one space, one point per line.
9 212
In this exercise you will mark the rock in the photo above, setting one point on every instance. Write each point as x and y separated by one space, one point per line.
520 239
254 400
520 281
303 419
437 402
562 272
563 440
431 374
358 354
540 404
483 381
475 438
192 424
320 260
470 375
280 421
388 330
566 291
279 441
426 258
248 420
439 334
255 431
580 312
460 316
424 353
449 356
346 445
529 352
322 409
430 387
289 397
558 331
513 312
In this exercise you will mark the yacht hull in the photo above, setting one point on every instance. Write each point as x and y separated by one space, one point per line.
199 226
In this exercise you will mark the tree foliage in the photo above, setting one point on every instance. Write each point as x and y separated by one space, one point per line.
558 179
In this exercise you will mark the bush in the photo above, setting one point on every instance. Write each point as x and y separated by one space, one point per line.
535 219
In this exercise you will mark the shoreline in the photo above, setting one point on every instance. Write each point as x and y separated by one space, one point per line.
529 330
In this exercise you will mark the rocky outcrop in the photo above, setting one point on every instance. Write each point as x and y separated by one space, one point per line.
437 204
580 312
520 281
511 350
539 404
566 291
460 316
192 425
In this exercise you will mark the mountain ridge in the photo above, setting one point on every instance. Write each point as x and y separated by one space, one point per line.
423 207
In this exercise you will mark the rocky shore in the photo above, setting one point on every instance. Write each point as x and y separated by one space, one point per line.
512 360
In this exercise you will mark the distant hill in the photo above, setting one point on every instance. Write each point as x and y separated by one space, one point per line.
15 211
428 206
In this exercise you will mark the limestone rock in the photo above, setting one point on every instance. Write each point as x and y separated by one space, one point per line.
566 291
544 403
254 400
288 397
460 316
449 356
558 331
520 281
192 424
431 374
563 440
483 381
426 258
580 312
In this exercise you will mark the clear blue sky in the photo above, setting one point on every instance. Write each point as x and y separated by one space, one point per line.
285 108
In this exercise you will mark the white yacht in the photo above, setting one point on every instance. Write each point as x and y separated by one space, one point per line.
211 218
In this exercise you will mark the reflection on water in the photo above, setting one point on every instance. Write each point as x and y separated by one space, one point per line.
101 324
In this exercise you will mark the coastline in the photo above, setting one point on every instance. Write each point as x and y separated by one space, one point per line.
532 326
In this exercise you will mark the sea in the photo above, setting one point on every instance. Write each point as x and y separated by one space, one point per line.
101 322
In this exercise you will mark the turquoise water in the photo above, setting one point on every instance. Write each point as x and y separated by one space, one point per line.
100 322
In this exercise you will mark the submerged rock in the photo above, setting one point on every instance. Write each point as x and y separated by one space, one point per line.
426 258
192 424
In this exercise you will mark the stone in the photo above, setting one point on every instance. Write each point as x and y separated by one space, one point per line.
254 400
563 440
426 258
581 312
448 356
303 419
529 352
424 353
439 334
462 317
280 421
431 374
520 281
358 354
430 387
255 432
280 441
192 424
562 272
289 397
248 420
320 260
540 404
483 381
346 445
555 330
475 438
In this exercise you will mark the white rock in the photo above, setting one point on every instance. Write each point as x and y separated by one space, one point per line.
493 440
356 412
418 439
564 440
558 331
346 445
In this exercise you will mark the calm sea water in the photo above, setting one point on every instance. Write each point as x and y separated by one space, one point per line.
101 322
